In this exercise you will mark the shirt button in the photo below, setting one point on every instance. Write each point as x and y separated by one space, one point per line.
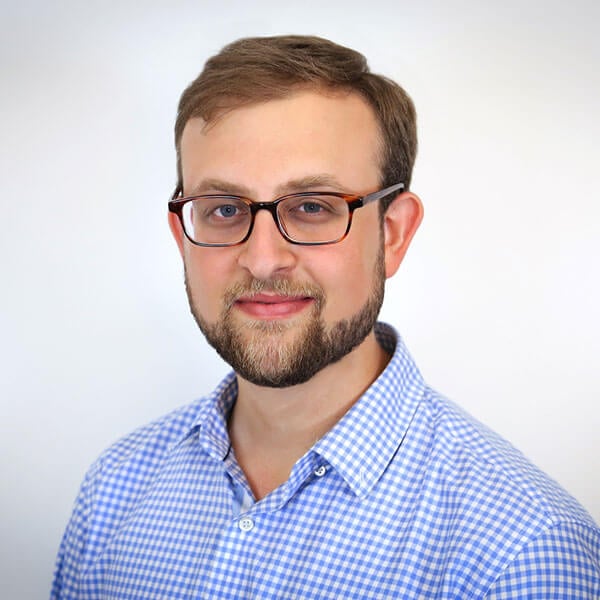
246 524
320 471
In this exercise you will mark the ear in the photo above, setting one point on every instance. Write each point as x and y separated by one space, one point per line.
177 231
400 222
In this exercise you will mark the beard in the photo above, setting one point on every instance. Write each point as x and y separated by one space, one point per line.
258 351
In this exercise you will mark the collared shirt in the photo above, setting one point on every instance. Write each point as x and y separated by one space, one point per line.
405 497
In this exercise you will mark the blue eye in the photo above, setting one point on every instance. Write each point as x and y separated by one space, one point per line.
310 207
226 210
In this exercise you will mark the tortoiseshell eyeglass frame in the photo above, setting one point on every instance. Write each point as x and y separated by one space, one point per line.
177 203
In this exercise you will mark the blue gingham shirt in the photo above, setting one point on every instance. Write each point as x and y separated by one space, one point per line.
406 497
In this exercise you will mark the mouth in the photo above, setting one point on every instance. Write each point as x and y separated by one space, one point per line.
272 306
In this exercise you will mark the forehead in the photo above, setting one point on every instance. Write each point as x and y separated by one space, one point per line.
303 134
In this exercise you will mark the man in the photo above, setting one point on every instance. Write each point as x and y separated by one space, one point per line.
323 466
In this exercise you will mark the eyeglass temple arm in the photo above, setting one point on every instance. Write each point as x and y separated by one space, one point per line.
381 193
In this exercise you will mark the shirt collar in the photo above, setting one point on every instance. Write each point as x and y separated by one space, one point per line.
211 421
364 441
361 445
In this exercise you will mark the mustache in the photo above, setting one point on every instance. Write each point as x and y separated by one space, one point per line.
282 287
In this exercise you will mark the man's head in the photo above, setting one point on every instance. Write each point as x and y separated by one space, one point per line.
254 128
253 70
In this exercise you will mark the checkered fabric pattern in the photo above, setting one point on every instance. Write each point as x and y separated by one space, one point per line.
406 497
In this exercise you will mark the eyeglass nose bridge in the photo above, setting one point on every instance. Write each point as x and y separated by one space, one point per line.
272 208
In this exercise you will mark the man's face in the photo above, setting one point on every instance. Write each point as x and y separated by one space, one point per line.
278 312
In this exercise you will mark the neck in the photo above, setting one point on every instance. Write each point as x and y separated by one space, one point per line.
271 428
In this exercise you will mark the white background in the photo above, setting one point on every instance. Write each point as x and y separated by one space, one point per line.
498 297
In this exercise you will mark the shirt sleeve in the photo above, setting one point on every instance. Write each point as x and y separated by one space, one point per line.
564 562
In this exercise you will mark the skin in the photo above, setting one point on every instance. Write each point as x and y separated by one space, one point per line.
308 140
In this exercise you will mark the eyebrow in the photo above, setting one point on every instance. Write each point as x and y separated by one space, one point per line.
218 186
310 182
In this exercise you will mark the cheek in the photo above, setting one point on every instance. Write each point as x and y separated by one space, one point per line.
349 282
205 278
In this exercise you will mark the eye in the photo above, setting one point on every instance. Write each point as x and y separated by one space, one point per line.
215 211
310 207
314 208
226 211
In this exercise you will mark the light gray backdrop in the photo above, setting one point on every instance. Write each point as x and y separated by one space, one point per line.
498 298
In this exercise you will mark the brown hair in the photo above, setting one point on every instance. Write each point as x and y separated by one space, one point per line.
258 69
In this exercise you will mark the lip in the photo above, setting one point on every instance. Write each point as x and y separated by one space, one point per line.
272 306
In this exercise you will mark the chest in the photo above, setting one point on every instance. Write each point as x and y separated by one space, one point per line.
187 538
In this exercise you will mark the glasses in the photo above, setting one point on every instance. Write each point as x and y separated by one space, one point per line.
305 218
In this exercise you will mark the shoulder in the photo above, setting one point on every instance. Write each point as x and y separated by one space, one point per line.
465 448
563 561
147 445
112 485
149 442
505 511
123 473
118 481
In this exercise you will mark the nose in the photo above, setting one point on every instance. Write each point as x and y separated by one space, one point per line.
266 253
